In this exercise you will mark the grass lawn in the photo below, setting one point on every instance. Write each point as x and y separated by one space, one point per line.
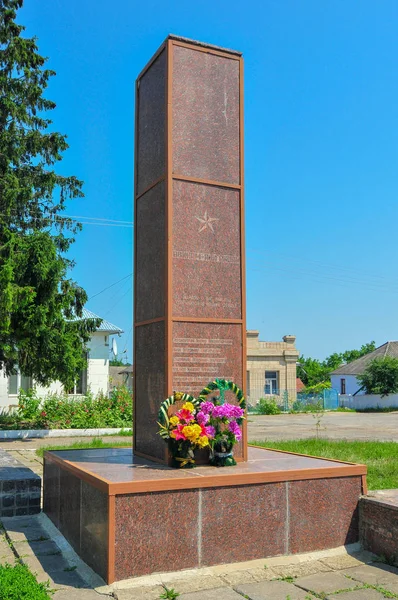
18 583
381 458
93 443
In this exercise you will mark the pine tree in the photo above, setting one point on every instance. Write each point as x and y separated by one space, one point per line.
40 305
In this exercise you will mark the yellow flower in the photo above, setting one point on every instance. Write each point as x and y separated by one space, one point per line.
173 433
203 441
174 420
192 432
178 395
188 406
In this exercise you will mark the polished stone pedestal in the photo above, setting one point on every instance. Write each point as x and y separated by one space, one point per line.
126 516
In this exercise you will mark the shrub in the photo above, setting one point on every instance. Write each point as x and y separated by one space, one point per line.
28 405
268 406
17 582
60 411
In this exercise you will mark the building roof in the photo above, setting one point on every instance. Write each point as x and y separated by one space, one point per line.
105 326
357 367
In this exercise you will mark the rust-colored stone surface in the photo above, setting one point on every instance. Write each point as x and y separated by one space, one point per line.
205 116
206 251
51 486
156 532
323 513
151 124
378 523
94 520
69 500
188 261
203 351
149 388
150 259
258 511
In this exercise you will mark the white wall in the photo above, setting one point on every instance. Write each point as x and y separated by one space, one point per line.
352 385
97 373
368 401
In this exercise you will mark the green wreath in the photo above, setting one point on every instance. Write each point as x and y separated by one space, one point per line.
163 414
223 385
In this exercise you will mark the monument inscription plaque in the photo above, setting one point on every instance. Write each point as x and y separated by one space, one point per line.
189 313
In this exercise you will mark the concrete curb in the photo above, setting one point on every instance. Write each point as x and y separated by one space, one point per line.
21 434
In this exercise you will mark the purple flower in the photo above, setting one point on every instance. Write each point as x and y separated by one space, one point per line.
210 431
236 430
207 407
202 418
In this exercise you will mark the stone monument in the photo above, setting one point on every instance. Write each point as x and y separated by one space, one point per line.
189 296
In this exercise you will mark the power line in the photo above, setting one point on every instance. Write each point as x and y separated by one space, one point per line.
110 286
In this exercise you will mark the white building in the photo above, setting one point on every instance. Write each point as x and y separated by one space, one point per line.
344 379
94 378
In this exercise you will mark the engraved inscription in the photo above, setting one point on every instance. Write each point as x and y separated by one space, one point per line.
197 360
207 257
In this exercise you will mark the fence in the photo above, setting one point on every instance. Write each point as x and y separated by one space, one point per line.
365 401
286 401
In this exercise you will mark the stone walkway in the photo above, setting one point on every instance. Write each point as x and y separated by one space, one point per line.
328 575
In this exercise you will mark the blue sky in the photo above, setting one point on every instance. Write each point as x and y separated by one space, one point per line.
321 150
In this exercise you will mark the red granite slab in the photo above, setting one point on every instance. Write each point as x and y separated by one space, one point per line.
243 523
149 388
151 124
323 513
206 251
205 104
150 258
155 532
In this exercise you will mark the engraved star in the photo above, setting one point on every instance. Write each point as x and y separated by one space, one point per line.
207 222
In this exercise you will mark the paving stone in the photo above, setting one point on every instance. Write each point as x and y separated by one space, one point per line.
362 594
37 548
79 595
193 584
50 564
262 574
142 593
346 561
325 582
376 574
272 590
239 577
301 569
216 594
18 534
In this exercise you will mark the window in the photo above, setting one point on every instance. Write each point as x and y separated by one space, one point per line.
271 382
80 386
17 382
342 386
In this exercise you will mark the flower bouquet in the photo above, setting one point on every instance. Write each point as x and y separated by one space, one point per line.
201 423
223 424
184 432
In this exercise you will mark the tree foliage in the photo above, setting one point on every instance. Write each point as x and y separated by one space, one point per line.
312 371
39 303
380 376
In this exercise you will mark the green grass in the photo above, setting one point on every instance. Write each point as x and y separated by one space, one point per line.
381 458
93 443
18 583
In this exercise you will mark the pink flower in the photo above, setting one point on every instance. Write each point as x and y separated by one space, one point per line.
184 415
210 431
207 407
202 418
236 430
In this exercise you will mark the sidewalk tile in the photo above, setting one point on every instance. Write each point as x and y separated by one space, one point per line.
216 594
325 582
272 590
142 593
376 574
358 595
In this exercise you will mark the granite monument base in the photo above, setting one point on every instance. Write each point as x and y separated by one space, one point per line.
126 516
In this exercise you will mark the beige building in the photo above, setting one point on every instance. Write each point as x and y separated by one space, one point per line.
271 367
